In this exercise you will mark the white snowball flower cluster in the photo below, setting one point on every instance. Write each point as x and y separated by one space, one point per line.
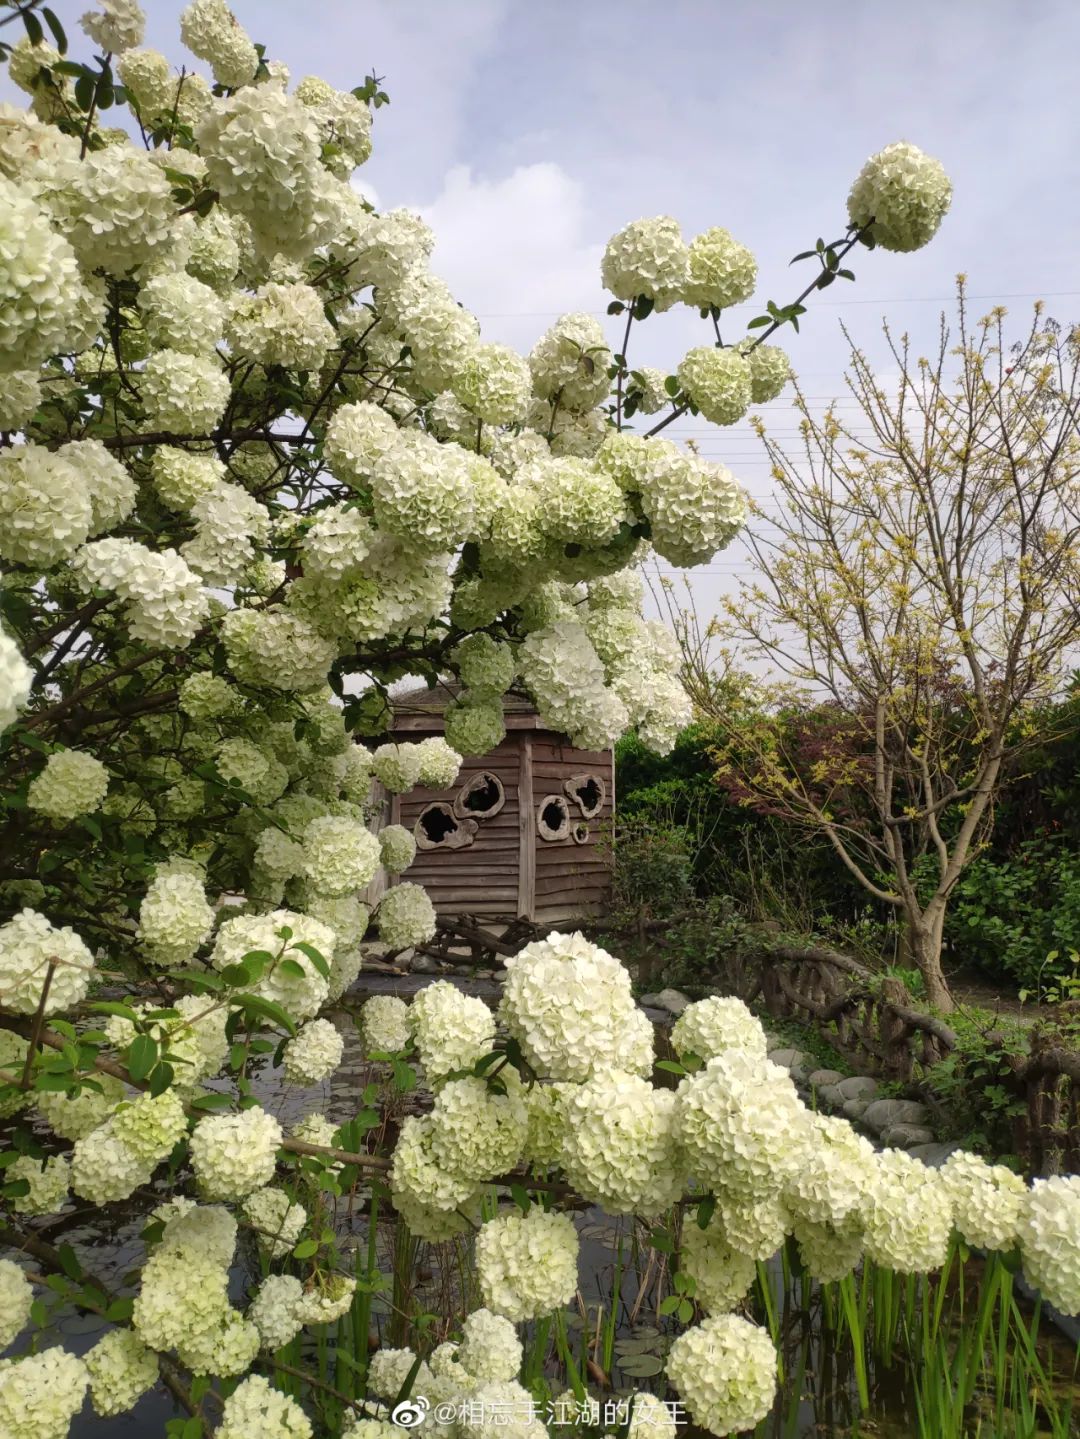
527 1263
476 1132
839 1169
300 995
232 1154
15 681
725 1371
118 25
405 916
722 1274
116 209
485 665
273 1310
904 193
43 299
325 1300
397 848
571 360
229 523
183 1294
40 1394
473 726
314 1053
719 382
256 1407
422 492
619 1144
174 919
711 1026
210 30
45 506
344 123
567 1002
28 945
74 1117
721 272
48 1181
494 383
340 854
72 783
337 544
490 1349
770 370
165 601
357 437
20 395
741 1122
121 1370
276 649
565 677
181 476
907 1215
396 766
280 1221
648 258
384 1024
988 1200
452 1030
16 1299
432 1200
1049 1233
181 313
252 770
281 325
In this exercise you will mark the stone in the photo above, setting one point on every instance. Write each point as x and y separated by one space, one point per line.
788 1058
829 1096
884 1113
671 1000
859 1086
424 964
935 1154
854 1109
905 1136
820 1078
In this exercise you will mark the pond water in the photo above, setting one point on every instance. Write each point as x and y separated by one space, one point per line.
620 1271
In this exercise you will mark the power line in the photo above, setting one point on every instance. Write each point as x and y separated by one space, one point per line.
818 304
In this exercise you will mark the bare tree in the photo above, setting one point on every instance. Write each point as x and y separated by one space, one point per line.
921 584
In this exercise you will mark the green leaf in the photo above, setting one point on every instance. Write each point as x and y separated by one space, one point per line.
661 1240
210 1101
292 967
108 1006
671 1066
254 1004
120 1310
84 93
33 27
161 1078
142 1056
643 307
759 322
69 1262
705 1211
616 307
520 1197
57 30
39 1313
305 1249
313 954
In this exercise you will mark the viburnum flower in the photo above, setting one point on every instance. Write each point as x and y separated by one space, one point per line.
313 1054
725 1372
210 30
228 1350
45 507
281 325
648 258
15 681
278 1217
389 1368
452 1030
527 1263
719 382
904 193
273 1310
40 1394
174 919
988 1200
907 1215
722 1275
28 945
396 766
494 383
720 271
384 1024
340 854
301 995
72 783
117 26
256 1407
48 1181
477 1132
710 1026
485 666
397 848
1049 1233
490 1349
121 1370
181 313
433 1201
233 1154
405 916
571 360
619 1144
16 1300
829 1251
473 725
326 1299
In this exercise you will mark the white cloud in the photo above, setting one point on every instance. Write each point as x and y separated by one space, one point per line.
516 250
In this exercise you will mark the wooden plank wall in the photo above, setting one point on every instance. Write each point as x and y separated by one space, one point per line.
571 879
482 878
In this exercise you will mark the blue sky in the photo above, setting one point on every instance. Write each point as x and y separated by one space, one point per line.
529 131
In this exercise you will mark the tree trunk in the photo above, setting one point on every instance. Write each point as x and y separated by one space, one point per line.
924 937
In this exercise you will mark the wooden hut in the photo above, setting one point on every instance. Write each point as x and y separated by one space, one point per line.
518 837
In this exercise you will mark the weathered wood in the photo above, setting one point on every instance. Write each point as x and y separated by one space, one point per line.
526 842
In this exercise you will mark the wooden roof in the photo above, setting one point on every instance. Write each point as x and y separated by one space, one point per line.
422 708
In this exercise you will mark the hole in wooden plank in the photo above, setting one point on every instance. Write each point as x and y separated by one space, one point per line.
553 818
483 796
581 833
588 791
437 827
